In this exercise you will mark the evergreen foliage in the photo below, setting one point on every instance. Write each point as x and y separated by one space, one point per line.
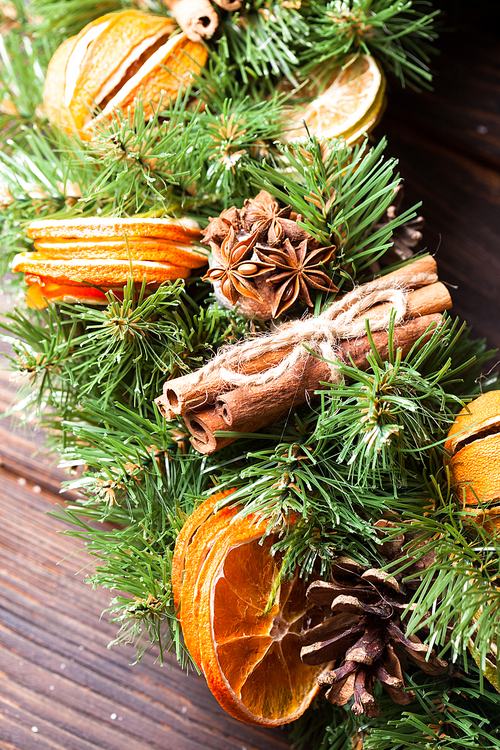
371 448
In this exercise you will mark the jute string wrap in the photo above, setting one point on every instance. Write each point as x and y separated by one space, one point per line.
343 319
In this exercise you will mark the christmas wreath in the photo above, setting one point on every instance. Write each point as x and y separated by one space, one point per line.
230 332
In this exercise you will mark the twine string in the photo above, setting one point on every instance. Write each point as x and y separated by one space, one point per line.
343 319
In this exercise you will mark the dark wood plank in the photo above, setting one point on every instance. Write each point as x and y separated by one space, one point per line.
62 678
448 145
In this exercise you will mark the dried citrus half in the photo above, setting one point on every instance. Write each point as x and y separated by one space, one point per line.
186 536
194 575
136 248
248 626
346 103
113 60
473 450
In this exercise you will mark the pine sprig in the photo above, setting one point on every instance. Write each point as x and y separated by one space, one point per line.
341 192
400 35
391 417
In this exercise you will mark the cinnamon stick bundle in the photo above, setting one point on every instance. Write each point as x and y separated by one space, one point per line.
276 372
197 18
250 408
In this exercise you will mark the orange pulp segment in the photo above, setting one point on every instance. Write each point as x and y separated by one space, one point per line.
98 272
167 228
40 292
136 248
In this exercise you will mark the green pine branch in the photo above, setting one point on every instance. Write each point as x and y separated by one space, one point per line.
341 193
400 35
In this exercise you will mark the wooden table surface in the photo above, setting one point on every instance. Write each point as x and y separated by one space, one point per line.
62 689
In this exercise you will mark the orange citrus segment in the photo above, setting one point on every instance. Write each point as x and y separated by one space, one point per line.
99 272
177 230
160 78
344 103
250 647
483 412
186 536
136 248
116 49
39 293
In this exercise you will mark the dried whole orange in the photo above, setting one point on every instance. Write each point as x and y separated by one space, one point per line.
113 60
473 453
245 623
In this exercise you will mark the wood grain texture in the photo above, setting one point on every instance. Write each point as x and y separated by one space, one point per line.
448 145
62 679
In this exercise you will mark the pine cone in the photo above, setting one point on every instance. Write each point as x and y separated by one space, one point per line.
285 266
366 631
405 237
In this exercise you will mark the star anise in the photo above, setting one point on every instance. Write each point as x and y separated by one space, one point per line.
263 215
218 229
297 271
236 268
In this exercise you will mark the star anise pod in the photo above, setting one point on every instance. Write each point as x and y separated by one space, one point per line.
218 229
367 632
236 268
263 214
297 271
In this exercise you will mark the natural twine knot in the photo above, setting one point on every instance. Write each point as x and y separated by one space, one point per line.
343 319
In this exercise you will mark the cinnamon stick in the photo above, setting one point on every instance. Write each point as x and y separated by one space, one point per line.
197 18
202 424
424 301
250 408
190 392
229 4
185 394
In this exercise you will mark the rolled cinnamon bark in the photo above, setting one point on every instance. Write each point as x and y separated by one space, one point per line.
197 18
192 392
202 424
250 408
185 393
424 301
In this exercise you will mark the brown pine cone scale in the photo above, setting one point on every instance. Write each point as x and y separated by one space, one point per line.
366 631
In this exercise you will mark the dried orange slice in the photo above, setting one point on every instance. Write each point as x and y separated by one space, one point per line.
248 627
176 230
97 271
346 104
186 536
194 575
42 291
136 248
111 61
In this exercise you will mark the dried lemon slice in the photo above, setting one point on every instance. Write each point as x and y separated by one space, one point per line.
347 104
